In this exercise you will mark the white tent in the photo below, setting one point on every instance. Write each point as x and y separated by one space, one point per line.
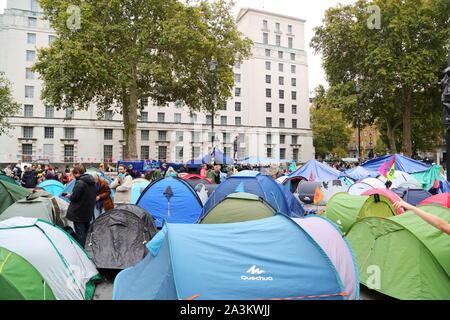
366 184
281 179
60 260
402 179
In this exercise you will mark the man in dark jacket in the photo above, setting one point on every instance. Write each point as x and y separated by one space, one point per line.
82 202
29 179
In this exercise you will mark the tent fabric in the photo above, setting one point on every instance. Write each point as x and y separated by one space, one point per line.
233 264
239 207
258 161
219 158
365 185
19 280
137 187
401 163
330 188
4 177
412 196
444 186
345 209
117 239
331 240
441 199
306 191
320 171
184 206
52 186
400 248
197 177
388 194
10 193
402 179
359 173
427 178
60 260
258 184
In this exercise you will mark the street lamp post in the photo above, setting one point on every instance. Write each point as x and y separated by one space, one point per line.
358 112
212 66
445 82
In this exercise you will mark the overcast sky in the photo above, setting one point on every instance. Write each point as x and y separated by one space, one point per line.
311 10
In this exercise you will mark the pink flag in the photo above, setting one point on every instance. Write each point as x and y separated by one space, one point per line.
383 169
436 184
311 177
391 163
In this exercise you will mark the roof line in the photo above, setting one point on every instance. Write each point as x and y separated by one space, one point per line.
244 11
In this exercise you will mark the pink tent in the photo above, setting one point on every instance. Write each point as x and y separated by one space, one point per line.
388 194
442 199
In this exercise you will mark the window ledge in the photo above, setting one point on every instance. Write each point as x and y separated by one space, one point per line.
30 139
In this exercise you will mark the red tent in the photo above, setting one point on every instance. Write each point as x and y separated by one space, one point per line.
442 199
196 176
387 193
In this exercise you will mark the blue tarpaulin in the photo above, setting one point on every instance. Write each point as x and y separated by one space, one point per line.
359 173
401 164
262 161
219 158
320 172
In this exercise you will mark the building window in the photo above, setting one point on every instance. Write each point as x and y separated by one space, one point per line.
269 152
31 55
268 78
49 133
282 123
237 65
269 122
223 120
144 116
162 135
294 139
179 154
145 152
294 82
28 110
145 135
179 136
195 136
281 94
268 65
49 112
290 42
281 81
225 137
280 54
144 101
208 119
295 155
280 67
108 152
177 118
268 107
193 118
69 153
29 92
237 106
69 133
70 113
268 138
31 38
238 121
237 77
162 152
161 117
265 38
51 39
277 27
281 108
294 109
265 24
268 93
294 123
293 68
282 153
282 139
289 28
237 92
27 151
108 115
28 132
294 95
195 152
278 41
224 106
293 56
34 6
32 22
267 52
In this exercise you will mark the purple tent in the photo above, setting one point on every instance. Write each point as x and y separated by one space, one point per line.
330 239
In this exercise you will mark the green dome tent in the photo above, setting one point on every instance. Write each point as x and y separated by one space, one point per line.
411 256
345 209
4 177
239 207
10 193
19 280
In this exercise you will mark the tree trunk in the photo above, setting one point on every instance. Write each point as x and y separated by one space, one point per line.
407 131
130 120
391 137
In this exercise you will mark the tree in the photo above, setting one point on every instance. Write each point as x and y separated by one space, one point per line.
8 107
126 50
397 65
331 132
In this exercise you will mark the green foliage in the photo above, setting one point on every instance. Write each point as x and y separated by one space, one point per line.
127 50
331 132
8 107
397 66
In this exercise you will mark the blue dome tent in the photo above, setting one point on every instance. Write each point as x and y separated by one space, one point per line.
261 185
52 186
272 258
171 199
359 173
402 163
